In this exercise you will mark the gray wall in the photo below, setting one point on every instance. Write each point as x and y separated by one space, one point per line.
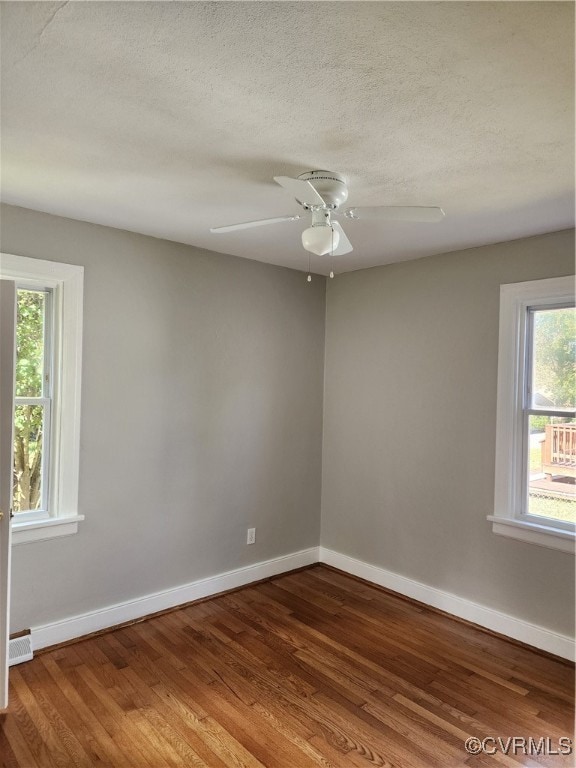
409 427
201 416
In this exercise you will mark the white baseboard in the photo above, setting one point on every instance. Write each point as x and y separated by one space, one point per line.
110 616
531 634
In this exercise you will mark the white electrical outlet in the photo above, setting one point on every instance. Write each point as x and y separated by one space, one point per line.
251 536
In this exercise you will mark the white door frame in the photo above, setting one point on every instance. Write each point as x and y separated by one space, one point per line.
7 353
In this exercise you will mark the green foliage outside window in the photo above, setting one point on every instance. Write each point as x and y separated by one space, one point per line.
554 360
555 356
28 418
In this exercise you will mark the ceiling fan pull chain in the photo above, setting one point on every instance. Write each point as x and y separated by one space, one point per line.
332 255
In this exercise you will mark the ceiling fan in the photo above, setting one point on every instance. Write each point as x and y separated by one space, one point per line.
322 193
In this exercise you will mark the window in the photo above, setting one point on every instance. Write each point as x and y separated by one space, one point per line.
47 396
32 403
535 494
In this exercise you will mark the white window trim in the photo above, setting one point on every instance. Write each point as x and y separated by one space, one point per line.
514 302
67 284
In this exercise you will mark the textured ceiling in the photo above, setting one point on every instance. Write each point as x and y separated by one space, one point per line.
167 118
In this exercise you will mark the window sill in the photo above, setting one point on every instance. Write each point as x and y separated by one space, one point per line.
40 530
533 533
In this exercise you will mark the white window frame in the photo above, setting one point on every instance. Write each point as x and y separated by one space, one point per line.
66 282
510 518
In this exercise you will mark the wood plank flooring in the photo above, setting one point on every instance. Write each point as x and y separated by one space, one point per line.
313 668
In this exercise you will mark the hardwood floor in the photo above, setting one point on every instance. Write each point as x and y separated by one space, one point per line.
312 668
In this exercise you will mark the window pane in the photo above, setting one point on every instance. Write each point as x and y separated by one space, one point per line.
552 468
28 433
30 314
554 358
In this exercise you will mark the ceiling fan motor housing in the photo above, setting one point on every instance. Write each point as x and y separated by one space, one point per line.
329 185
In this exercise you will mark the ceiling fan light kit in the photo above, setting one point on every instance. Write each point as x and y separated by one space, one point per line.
318 240
321 193
321 238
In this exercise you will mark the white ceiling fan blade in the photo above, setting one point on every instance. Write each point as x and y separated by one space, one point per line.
396 213
250 224
344 245
302 190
